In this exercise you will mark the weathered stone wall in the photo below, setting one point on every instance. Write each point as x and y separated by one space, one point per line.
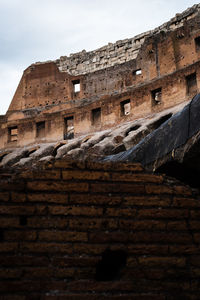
56 222
163 58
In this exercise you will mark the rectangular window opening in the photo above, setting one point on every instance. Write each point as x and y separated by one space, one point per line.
13 134
76 86
96 116
125 107
156 96
40 129
191 83
69 128
197 43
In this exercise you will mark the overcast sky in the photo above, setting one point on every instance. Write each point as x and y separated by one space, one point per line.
40 30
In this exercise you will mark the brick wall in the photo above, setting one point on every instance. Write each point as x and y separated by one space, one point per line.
75 230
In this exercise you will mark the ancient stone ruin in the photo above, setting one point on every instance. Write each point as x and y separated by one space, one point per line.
99 172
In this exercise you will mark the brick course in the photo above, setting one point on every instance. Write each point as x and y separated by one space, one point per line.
56 222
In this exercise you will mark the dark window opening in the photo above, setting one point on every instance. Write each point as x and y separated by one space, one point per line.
40 129
159 122
13 134
197 43
23 220
76 85
137 72
109 267
191 83
96 116
156 96
125 107
68 128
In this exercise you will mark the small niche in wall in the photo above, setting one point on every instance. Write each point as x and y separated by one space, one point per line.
13 134
197 43
156 96
125 107
191 83
69 128
40 129
96 116
76 86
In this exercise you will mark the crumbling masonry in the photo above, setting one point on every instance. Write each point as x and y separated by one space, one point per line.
97 90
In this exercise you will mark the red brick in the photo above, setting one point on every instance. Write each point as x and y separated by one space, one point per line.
23 286
186 202
4 196
195 225
64 273
17 210
121 212
43 174
137 177
184 249
20 235
47 222
8 247
182 190
95 199
142 249
162 236
74 261
12 185
18 197
177 225
195 260
194 272
142 225
197 238
75 210
16 260
41 210
45 248
37 273
50 198
85 175
134 167
158 189
195 214
6 222
60 186
89 249
117 188
63 236
162 261
108 237
10 273
163 213
92 224
147 200
103 286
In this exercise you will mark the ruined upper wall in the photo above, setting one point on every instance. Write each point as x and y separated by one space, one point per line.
122 51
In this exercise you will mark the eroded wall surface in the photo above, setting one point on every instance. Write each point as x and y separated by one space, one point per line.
100 89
